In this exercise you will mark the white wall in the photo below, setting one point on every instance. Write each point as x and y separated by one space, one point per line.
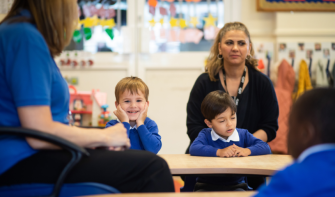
261 25
288 26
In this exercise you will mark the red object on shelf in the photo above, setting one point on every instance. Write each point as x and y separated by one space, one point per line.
90 62
82 63
74 63
80 112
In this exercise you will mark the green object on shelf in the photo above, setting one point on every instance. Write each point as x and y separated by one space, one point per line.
77 36
88 33
110 33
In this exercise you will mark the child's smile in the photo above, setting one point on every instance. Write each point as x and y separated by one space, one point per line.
132 104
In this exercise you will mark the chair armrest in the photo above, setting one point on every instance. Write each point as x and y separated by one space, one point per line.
61 142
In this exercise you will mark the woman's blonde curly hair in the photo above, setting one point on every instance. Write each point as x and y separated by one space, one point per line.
215 64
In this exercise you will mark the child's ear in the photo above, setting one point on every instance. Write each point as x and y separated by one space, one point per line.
147 103
309 135
208 123
116 104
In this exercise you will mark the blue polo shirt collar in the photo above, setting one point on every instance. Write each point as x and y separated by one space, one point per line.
315 149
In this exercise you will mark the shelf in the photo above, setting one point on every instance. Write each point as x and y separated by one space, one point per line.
80 112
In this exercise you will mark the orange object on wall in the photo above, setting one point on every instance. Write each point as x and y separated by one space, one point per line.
152 3
260 65
284 89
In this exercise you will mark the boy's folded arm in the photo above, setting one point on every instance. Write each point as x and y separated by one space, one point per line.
256 146
150 138
203 150
200 147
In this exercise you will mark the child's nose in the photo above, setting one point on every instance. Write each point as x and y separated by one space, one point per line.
229 122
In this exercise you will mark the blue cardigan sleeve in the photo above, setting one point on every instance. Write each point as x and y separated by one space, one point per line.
149 136
200 146
256 146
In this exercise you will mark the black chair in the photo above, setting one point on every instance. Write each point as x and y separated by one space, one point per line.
57 189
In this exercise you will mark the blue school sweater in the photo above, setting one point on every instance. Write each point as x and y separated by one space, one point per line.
312 174
145 137
204 145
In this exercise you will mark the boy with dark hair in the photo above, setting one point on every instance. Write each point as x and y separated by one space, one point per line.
311 142
223 139
132 104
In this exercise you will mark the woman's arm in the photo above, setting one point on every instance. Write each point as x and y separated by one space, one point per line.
40 118
261 134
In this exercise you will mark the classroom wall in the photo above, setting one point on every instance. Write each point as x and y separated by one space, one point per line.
288 26
170 76
261 25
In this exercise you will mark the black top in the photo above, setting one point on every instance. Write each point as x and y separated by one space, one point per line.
257 109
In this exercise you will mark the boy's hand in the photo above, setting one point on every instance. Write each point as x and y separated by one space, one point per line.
121 114
143 115
230 151
241 152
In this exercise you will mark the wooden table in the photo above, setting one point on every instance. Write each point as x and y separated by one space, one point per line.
185 194
184 164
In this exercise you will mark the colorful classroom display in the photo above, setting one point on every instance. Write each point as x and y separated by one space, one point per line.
182 30
94 17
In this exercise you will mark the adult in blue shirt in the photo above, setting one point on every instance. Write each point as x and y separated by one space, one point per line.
311 142
34 95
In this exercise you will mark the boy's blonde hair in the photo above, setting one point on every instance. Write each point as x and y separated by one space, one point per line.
132 84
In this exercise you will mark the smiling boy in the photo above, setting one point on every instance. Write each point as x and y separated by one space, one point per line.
223 139
131 109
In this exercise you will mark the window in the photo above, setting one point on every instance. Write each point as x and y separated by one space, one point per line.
165 36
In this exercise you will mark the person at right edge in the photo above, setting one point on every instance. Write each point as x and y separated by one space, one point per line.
311 142
232 69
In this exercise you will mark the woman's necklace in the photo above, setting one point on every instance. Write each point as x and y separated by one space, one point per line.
239 91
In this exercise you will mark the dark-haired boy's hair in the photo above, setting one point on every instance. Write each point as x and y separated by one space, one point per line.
317 107
215 103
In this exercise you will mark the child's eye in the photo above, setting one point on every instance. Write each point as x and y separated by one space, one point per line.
232 117
222 121
139 100
126 101
229 42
